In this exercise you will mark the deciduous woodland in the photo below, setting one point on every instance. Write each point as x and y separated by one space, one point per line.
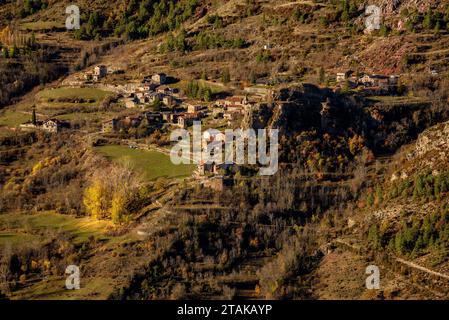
86 178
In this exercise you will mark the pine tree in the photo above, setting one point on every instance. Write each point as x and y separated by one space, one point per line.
379 195
436 187
207 96
322 75
428 20
399 243
346 86
352 10
181 41
225 76
427 231
33 116
418 190
418 247
437 28
373 236
345 16
33 40
370 200
384 30
252 77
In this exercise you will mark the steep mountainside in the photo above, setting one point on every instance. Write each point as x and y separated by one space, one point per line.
363 174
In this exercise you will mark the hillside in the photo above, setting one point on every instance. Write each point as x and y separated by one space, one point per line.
362 176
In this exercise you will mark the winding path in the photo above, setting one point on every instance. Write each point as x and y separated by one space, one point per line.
417 266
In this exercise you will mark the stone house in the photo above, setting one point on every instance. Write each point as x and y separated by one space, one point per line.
378 84
141 97
110 125
374 80
153 117
173 117
148 87
232 114
343 76
55 125
166 116
159 78
168 100
152 97
191 108
234 101
187 119
163 90
100 71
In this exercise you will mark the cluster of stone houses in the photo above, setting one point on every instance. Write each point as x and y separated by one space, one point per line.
93 75
146 119
372 83
173 109
231 108
153 89
182 117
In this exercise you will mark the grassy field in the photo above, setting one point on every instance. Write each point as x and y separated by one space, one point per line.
41 25
19 229
150 164
13 118
15 239
73 93
396 99
23 230
52 288
85 116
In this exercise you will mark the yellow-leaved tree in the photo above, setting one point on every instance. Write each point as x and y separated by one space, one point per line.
96 200
119 211
112 192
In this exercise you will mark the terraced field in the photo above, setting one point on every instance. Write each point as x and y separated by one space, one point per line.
75 94
13 118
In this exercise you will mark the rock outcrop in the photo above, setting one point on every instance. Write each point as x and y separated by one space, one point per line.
431 150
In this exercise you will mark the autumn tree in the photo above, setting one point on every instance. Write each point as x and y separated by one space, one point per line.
111 193
96 199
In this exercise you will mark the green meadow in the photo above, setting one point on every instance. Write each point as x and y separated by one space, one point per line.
73 93
21 229
151 164
13 119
